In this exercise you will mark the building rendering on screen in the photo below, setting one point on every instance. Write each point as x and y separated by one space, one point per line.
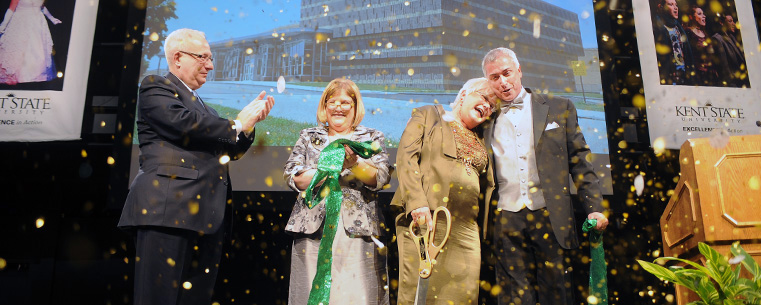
431 44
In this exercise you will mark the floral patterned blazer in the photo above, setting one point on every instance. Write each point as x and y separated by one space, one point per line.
360 213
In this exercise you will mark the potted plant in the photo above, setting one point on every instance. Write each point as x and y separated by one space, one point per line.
719 281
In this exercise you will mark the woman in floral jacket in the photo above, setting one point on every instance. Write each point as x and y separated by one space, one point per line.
359 274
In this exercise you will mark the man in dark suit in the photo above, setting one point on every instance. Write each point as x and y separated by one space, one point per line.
536 142
180 200
733 71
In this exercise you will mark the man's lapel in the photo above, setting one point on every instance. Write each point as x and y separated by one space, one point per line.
539 110
187 96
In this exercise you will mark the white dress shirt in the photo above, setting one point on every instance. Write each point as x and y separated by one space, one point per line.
515 159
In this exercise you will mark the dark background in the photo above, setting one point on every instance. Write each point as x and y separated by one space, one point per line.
80 257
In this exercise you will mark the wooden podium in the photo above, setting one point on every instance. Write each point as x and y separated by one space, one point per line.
716 201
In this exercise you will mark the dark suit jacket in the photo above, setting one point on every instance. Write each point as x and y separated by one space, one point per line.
181 182
425 160
559 151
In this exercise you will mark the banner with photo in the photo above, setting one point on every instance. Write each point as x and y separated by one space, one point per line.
700 69
45 49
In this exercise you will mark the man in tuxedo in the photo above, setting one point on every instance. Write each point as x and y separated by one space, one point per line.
536 142
180 200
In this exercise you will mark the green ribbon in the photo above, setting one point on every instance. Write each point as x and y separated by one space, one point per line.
329 166
598 282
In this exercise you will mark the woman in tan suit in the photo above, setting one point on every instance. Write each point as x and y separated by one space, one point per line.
442 161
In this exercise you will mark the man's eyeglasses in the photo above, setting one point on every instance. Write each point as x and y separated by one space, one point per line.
202 58
336 104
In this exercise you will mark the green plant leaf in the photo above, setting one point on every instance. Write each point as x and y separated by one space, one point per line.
707 291
753 296
733 302
659 271
689 278
748 262
718 266
688 262
736 290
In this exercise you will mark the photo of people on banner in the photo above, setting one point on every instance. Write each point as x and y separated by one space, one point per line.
34 40
698 45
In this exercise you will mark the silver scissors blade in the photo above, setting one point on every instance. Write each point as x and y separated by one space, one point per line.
422 291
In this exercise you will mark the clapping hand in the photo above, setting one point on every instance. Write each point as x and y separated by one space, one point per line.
256 111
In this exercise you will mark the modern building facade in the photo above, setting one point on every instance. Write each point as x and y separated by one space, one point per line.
293 52
431 44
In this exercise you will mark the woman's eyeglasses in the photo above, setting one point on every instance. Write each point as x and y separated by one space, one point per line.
343 105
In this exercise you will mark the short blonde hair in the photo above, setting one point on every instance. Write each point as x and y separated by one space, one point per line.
334 87
473 85
178 39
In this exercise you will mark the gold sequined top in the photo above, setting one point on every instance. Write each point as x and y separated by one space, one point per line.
470 150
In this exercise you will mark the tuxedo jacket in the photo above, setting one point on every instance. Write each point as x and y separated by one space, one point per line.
183 181
560 151
425 161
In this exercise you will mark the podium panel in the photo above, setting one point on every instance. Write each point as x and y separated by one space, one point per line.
718 198
716 201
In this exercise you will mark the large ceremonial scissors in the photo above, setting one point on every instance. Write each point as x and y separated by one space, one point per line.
428 250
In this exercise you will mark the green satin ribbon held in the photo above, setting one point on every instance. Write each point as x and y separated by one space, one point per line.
329 166
598 281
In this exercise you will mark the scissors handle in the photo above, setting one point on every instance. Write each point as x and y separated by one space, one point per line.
424 242
434 249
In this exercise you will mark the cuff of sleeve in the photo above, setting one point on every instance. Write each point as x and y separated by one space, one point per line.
238 127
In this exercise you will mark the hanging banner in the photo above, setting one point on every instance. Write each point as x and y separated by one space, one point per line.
45 49
700 69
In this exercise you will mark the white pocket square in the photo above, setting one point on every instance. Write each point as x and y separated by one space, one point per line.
552 126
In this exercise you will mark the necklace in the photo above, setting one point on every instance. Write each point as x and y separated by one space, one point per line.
470 151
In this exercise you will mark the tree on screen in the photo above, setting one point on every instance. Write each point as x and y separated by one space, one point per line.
157 12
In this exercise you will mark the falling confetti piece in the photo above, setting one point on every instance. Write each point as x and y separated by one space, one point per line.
736 260
224 159
719 138
754 183
659 145
537 28
280 84
193 207
639 184
377 242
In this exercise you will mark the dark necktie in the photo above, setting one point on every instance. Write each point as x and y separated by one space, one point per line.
199 99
